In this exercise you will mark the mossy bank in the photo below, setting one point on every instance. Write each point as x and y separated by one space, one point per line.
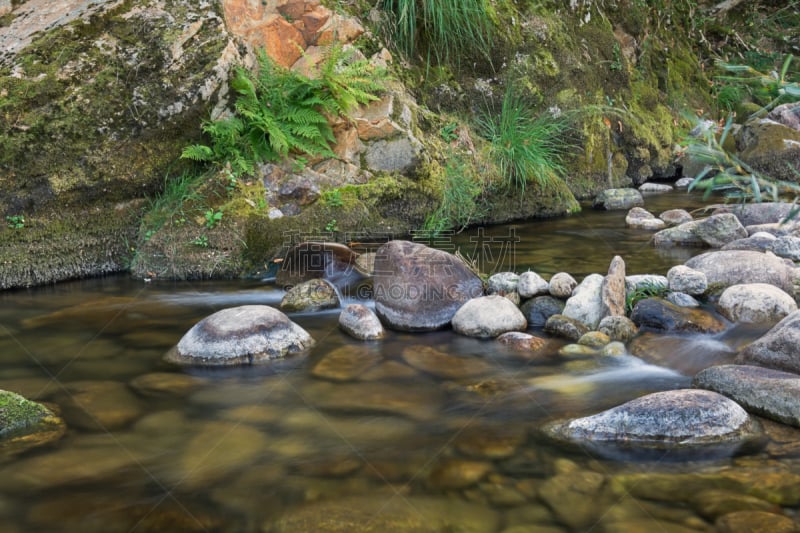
97 110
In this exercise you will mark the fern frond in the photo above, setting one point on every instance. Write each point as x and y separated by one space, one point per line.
198 152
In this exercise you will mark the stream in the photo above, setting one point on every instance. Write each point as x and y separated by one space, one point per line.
357 436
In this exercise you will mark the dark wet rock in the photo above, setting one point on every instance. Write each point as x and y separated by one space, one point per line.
618 328
360 322
166 384
345 363
523 342
777 348
418 288
675 217
562 284
681 299
381 513
787 246
311 260
488 317
537 310
641 218
309 296
684 279
574 497
458 473
417 403
586 304
755 522
686 354
671 419
531 285
661 315
760 241
711 504
753 214
240 335
502 283
733 267
613 289
755 303
566 327
618 199
770 393
99 405
444 365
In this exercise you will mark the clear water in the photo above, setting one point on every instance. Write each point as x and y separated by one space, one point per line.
352 437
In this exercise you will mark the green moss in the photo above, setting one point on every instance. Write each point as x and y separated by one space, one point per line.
17 413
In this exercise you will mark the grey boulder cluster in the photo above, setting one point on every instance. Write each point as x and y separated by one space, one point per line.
416 289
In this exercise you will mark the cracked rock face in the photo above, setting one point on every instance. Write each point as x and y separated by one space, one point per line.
239 336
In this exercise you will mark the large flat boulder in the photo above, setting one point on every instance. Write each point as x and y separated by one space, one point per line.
240 336
770 393
733 267
418 288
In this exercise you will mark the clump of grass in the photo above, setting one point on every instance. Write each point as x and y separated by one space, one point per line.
444 30
524 146
647 289
459 206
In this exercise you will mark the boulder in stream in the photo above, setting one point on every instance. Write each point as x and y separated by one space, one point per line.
586 302
360 322
770 393
777 348
418 288
617 199
659 314
675 419
488 317
312 295
734 267
240 336
25 424
755 303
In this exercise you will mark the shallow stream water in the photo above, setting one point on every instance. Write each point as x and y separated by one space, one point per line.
420 432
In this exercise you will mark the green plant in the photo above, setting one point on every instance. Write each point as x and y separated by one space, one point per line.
459 205
332 226
727 172
15 221
728 96
647 289
213 218
616 63
449 132
201 241
332 198
442 29
525 147
170 203
279 111
770 89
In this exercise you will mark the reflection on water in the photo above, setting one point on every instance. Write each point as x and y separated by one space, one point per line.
430 432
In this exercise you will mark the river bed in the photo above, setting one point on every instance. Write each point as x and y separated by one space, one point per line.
420 432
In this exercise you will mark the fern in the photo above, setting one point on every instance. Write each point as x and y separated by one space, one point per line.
280 112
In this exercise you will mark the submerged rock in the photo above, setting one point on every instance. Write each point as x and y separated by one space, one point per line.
770 393
311 295
240 335
487 317
670 419
418 288
25 424
360 322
